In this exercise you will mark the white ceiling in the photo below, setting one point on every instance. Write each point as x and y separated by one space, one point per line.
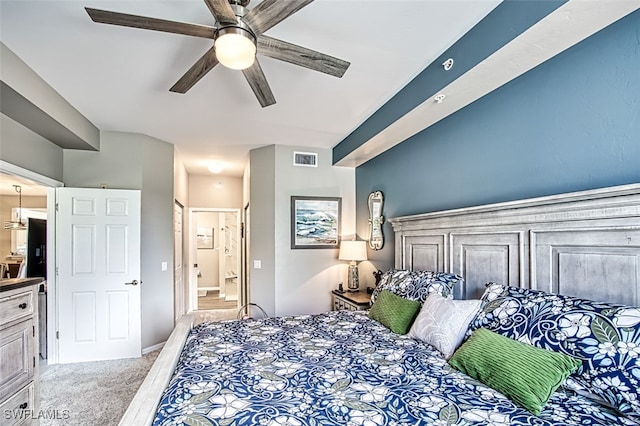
119 78
28 187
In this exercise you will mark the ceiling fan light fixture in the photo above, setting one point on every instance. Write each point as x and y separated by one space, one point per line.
235 48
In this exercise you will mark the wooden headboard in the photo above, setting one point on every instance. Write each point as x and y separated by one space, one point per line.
584 244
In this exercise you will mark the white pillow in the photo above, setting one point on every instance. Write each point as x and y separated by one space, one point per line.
442 323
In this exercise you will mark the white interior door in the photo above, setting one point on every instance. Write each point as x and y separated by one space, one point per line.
98 249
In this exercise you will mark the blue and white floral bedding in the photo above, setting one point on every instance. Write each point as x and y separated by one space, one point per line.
339 368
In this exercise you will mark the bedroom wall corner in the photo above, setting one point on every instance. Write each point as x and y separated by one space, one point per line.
305 277
135 161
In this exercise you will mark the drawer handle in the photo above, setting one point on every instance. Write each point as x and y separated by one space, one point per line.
22 306
24 405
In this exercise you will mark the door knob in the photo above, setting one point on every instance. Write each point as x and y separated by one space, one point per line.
134 282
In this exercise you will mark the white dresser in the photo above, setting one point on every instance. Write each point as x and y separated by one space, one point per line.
19 351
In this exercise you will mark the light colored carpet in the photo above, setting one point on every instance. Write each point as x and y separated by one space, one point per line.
98 393
91 393
215 315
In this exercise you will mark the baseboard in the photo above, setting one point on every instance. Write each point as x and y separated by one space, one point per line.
152 348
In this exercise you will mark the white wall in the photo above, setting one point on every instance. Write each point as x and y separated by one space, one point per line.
294 281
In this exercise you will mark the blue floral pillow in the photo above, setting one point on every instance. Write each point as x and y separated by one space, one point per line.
416 285
604 336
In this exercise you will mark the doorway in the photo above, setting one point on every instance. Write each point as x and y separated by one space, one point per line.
216 258
37 187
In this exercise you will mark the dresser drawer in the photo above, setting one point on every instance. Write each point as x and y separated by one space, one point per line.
16 305
18 357
19 409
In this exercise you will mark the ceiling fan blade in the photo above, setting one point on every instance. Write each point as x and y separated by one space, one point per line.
147 23
271 12
222 11
196 72
259 85
301 56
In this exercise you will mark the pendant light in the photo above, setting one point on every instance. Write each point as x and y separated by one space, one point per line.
16 225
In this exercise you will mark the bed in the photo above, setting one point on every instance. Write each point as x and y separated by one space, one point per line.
548 258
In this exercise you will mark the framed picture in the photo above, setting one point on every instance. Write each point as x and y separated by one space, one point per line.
204 238
315 222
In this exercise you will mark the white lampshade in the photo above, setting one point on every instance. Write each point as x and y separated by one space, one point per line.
235 49
353 250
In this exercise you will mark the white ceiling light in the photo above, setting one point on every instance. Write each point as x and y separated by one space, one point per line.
235 48
216 167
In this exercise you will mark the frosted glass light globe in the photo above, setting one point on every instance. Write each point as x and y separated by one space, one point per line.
235 50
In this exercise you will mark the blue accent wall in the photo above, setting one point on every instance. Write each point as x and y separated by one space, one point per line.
507 21
570 124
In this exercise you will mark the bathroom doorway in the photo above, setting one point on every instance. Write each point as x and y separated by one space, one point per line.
216 267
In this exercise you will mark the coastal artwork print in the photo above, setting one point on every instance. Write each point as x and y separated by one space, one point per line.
315 222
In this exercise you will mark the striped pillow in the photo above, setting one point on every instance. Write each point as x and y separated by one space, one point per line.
526 374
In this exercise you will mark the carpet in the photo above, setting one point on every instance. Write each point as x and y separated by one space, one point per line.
90 393
98 393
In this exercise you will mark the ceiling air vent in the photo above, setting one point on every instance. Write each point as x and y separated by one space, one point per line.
305 159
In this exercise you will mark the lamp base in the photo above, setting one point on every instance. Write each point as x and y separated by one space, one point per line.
353 283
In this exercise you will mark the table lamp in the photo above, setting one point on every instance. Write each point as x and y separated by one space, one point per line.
353 251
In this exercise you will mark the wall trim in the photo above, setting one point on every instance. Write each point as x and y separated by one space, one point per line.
152 348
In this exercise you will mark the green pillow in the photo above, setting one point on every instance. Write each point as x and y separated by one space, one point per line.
526 374
394 312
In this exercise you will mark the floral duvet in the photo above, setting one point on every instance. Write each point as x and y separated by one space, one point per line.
339 368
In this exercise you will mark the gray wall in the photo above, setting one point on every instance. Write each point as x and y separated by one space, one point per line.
305 277
134 161
294 281
31 101
24 148
262 191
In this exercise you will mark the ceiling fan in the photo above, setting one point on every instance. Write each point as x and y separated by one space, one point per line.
237 37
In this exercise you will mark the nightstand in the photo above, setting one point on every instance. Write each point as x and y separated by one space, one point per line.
358 301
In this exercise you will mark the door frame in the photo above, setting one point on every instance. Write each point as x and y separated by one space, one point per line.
192 287
52 290
179 294
244 235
